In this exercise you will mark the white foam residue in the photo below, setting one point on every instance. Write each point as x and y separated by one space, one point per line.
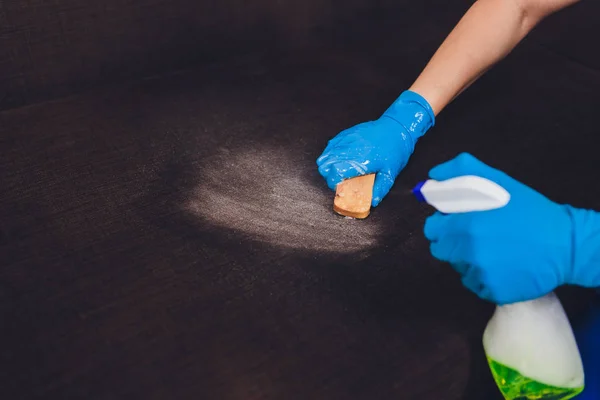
263 194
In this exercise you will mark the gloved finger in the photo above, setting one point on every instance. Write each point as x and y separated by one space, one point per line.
324 169
435 226
326 162
461 267
321 159
441 251
343 170
340 154
345 150
453 248
328 151
472 281
325 156
496 284
345 167
383 183
463 164
334 145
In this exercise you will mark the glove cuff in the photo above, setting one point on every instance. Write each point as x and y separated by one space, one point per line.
585 236
413 112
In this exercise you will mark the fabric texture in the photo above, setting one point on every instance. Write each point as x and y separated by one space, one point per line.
139 257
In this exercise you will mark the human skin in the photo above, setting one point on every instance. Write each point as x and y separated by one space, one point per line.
485 35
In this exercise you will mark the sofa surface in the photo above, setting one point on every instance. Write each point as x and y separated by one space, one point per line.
168 236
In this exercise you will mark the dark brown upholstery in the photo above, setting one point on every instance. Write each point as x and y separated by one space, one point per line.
58 47
110 288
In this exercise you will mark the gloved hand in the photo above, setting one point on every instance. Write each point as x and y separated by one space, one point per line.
382 146
521 251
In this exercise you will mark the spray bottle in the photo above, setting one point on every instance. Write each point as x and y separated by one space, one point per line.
530 346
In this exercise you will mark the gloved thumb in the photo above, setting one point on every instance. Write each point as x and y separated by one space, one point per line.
463 164
383 183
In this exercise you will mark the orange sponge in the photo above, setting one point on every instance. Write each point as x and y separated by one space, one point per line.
353 196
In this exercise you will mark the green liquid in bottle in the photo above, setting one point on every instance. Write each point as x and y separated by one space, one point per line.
515 386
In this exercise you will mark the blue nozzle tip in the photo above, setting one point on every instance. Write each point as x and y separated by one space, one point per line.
417 191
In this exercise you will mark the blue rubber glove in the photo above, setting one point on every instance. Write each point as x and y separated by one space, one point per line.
382 146
521 251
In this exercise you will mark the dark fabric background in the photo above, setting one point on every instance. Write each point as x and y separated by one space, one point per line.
109 289
60 47
57 47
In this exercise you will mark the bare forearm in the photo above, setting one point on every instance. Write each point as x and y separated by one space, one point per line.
486 34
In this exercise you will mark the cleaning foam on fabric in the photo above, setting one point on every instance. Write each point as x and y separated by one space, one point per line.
530 345
265 194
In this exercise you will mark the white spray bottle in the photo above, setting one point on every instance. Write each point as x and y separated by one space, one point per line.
530 346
